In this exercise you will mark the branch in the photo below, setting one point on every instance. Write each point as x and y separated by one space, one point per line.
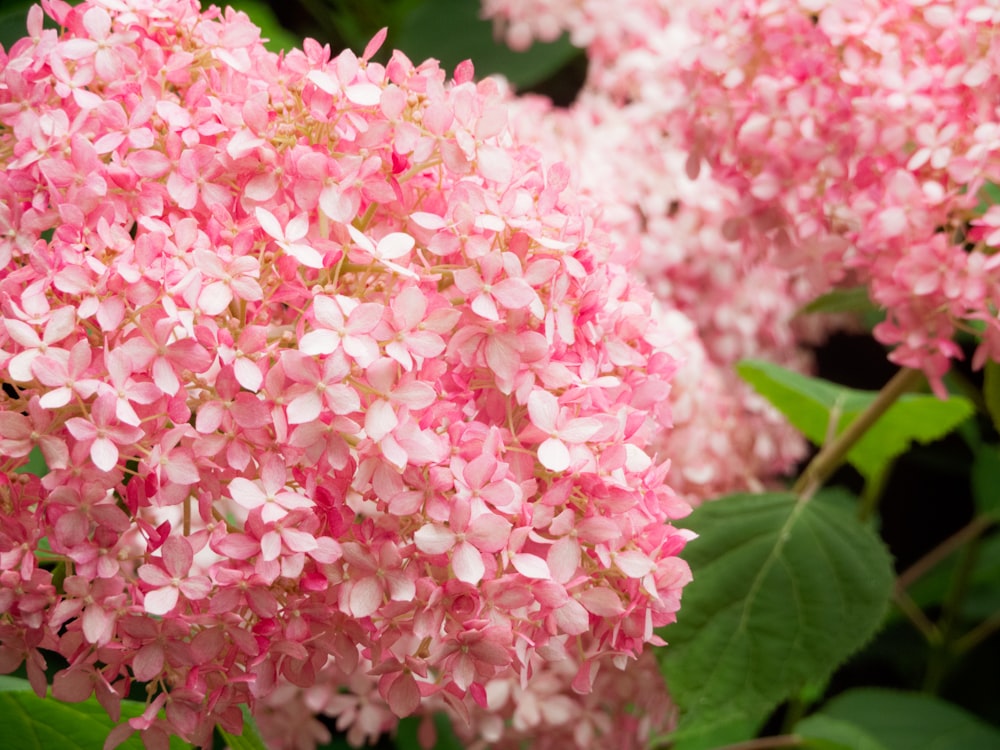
832 455
762 743
917 617
978 634
964 535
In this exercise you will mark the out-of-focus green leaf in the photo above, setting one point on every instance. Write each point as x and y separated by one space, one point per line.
452 31
719 734
278 37
809 404
989 194
13 19
853 300
783 592
991 391
986 479
339 742
407 734
825 733
912 721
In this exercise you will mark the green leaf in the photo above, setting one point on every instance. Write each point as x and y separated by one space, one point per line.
810 404
991 391
985 479
36 464
339 742
912 721
452 31
853 300
826 733
989 194
46 724
278 37
407 734
8 683
783 592
13 22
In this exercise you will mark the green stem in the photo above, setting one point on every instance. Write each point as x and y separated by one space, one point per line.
871 494
941 653
917 617
971 531
978 634
833 453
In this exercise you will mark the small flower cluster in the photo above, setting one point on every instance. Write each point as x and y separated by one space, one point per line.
330 376
858 136
626 709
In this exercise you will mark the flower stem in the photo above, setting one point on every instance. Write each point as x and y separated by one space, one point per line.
833 453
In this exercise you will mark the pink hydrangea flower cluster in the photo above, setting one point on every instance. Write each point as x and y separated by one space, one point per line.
857 137
335 383
719 305
716 308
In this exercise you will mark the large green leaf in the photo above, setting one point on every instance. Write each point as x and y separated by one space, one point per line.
452 31
784 590
811 404
47 724
912 721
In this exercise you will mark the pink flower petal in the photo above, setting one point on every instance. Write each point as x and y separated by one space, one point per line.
554 455
543 408
403 695
531 566
602 602
467 564
161 601
434 540
365 597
